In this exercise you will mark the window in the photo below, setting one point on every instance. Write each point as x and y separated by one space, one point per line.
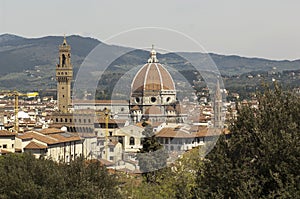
70 120
4 146
153 99
111 149
66 120
178 148
12 146
166 140
180 141
111 158
110 133
120 139
63 59
131 141
56 119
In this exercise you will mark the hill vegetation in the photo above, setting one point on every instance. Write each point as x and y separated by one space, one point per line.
29 63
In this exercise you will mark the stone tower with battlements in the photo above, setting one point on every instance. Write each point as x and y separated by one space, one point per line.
64 75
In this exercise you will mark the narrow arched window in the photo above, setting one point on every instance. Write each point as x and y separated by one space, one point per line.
63 60
131 141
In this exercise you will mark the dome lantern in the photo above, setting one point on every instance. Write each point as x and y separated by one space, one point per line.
153 58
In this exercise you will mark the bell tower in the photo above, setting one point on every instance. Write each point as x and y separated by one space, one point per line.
64 75
218 107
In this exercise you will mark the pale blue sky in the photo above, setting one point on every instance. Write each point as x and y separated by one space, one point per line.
256 28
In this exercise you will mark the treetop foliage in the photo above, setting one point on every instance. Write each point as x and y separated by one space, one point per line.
23 176
261 159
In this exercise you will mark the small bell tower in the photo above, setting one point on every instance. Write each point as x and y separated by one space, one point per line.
218 107
64 76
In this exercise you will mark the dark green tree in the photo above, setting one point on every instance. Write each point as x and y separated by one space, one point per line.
261 159
152 156
24 176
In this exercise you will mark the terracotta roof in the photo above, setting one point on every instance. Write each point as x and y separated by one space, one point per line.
35 145
113 143
51 138
135 108
193 132
3 151
56 125
153 110
194 128
65 137
106 162
5 133
43 138
170 108
203 133
48 131
174 133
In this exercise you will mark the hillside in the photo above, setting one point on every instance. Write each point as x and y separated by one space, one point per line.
29 63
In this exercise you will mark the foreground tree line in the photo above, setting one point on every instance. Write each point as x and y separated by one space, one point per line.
260 160
23 176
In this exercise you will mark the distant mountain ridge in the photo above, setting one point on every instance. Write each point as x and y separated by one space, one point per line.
30 62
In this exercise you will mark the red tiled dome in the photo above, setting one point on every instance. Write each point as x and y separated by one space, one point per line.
152 77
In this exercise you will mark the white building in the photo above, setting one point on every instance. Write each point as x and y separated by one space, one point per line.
7 141
52 144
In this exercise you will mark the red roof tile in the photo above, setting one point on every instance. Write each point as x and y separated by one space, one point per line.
35 145
5 133
48 131
174 133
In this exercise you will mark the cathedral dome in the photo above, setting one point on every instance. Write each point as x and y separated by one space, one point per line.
152 77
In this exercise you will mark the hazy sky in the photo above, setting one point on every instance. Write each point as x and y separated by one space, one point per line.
256 28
